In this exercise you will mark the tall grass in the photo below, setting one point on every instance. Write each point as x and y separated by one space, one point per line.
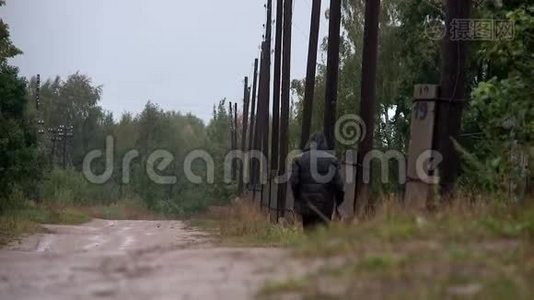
69 187
66 198
462 220
243 224
477 248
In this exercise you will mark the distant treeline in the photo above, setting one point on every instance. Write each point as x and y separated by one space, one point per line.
75 102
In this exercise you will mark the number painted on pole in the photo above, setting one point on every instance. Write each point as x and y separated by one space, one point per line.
426 91
421 111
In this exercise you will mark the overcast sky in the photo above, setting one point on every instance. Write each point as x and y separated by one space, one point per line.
183 55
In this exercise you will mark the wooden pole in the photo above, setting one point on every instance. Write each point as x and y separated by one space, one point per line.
332 70
368 101
231 108
38 92
284 121
309 91
236 127
253 106
258 130
266 81
252 129
452 95
65 151
246 95
276 85
265 94
232 137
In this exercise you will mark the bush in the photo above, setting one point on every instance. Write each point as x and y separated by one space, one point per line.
14 201
69 187
64 187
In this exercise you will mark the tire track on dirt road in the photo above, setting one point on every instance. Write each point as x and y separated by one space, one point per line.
136 260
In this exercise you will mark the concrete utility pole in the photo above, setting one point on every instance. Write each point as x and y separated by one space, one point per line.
419 189
332 71
284 122
246 95
452 95
363 198
309 91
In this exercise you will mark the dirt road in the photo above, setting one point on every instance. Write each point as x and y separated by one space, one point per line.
134 260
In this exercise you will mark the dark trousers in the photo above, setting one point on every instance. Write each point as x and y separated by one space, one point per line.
312 221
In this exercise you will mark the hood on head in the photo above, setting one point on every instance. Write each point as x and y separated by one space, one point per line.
317 142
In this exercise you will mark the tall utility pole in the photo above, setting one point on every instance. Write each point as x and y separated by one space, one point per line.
309 91
232 138
276 86
246 95
54 138
452 96
64 152
253 106
236 127
231 108
265 80
258 124
38 92
284 122
65 132
332 70
254 131
40 121
368 101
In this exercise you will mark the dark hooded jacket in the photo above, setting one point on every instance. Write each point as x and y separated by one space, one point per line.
315 179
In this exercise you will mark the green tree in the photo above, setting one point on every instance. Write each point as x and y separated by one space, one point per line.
501 115
218 143
20 165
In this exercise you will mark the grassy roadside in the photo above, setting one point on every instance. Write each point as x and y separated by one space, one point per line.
471 251
27 218
242 224
24 220
482 252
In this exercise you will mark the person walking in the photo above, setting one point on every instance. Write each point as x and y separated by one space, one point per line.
316 183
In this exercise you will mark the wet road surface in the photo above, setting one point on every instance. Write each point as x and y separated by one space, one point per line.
134 260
